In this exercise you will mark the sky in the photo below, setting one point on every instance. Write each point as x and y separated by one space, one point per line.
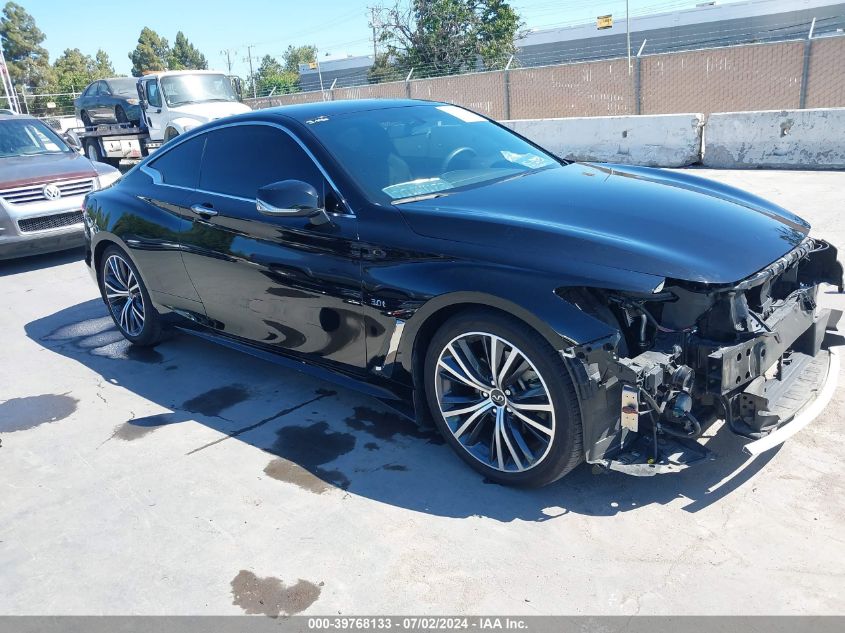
336 27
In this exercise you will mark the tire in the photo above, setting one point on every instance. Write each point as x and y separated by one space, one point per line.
120 115
86 120
121 284
92 151
530 374
170 134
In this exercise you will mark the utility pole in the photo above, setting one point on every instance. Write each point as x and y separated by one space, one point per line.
251 74
374 25
228 53
628 29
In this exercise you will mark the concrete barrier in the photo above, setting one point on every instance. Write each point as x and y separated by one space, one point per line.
665 140
786 139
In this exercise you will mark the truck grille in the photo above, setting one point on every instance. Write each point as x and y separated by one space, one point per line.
45 222
35 193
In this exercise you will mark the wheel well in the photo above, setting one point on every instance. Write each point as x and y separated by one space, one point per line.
170 133
98 253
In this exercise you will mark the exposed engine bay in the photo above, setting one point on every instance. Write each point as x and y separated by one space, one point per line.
750 353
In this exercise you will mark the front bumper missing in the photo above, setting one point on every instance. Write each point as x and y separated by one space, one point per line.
806 414
768 387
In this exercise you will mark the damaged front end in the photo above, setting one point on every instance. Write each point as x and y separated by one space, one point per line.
751 353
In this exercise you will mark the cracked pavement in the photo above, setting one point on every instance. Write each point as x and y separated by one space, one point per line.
191 479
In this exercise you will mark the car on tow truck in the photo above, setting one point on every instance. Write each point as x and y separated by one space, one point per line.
43 182
170 103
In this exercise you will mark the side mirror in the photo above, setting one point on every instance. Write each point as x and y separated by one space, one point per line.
291 198
73 141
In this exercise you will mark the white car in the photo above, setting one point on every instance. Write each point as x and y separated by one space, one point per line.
177 101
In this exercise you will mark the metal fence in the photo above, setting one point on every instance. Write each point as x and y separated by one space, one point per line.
52 104
759 75
767 76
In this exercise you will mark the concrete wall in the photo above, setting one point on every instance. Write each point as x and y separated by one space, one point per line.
669 140
791 139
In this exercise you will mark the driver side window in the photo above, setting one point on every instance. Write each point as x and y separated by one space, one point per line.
153 94
241 159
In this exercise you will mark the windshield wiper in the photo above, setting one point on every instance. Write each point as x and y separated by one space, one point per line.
425 196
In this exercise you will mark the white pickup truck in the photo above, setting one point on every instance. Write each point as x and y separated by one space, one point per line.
172 102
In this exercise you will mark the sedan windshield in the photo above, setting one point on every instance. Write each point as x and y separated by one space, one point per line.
181 89
25 137
408 153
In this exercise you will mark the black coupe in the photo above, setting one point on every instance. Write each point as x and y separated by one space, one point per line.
540 312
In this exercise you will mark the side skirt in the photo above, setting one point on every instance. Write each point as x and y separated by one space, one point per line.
400 400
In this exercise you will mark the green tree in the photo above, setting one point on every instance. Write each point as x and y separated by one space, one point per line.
384 69
102 65
271 76
151 53
73 70
185 56
27 60
437 37
296 55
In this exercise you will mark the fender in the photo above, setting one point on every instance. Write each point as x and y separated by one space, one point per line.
183 124
529 297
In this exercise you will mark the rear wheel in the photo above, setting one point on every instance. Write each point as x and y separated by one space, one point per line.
120 115
127 298
92 151
502 398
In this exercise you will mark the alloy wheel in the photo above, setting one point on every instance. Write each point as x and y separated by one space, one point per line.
495 402
123 295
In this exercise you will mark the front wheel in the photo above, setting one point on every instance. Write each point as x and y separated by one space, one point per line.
127 298
502 398
120 115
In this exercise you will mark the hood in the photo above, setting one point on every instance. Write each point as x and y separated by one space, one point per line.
19 171
210 110
630 218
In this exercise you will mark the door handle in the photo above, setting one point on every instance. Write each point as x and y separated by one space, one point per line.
201 209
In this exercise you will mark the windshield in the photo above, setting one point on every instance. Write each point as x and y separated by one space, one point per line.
124 87
25 137
402 154
181 89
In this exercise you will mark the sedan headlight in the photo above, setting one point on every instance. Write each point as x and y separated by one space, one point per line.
107 179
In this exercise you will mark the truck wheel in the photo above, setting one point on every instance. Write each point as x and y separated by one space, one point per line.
170 134
92 151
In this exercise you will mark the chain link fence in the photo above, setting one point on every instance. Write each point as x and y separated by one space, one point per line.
762 76
784 66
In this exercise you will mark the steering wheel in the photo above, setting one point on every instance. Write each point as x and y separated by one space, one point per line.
454 154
